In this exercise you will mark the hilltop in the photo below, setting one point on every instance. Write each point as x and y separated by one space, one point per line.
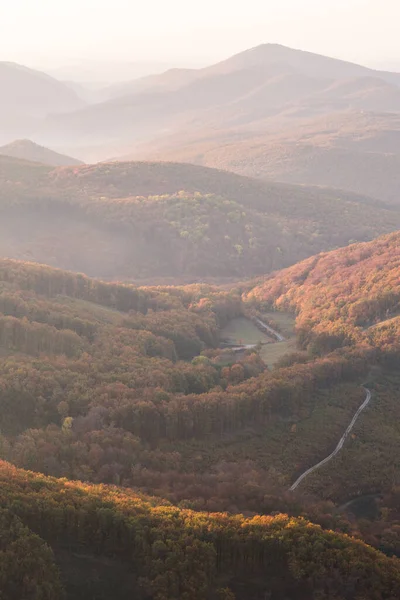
308 63
28 150
158 220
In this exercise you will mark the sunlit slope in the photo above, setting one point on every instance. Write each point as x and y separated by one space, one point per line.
169 553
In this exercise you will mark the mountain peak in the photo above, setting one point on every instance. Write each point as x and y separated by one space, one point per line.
28 150
305 62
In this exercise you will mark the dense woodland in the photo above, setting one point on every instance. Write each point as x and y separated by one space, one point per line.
344 298
169 553
127 386
155 220
151 430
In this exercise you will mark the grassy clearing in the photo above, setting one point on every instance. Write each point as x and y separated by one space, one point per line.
285 321
271 353
243 331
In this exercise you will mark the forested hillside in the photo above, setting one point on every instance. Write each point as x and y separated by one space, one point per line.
112 383
200 313
158 220
116 384
347 297
133 544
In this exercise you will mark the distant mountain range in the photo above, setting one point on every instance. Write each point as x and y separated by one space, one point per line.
263 83
270 112
311 120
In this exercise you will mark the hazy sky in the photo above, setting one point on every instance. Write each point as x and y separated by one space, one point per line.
39 32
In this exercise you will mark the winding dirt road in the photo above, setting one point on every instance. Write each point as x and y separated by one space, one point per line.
266 327
340 444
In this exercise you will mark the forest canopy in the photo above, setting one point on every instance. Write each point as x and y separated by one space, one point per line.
128 386
142 221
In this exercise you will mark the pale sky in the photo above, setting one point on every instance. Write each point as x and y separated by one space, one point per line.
54 32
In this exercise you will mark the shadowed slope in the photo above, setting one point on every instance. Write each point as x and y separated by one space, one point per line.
132 220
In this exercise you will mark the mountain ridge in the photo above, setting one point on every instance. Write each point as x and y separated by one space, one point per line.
28 150
27 97
157 105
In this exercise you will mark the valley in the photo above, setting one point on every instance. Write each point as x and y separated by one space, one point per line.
128 387
200 326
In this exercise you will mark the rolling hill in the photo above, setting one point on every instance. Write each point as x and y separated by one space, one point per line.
365 276
272 57
154 550
349 149
28 150
34 91
160 220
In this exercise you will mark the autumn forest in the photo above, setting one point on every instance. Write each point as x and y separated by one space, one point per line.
200 368
118 385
